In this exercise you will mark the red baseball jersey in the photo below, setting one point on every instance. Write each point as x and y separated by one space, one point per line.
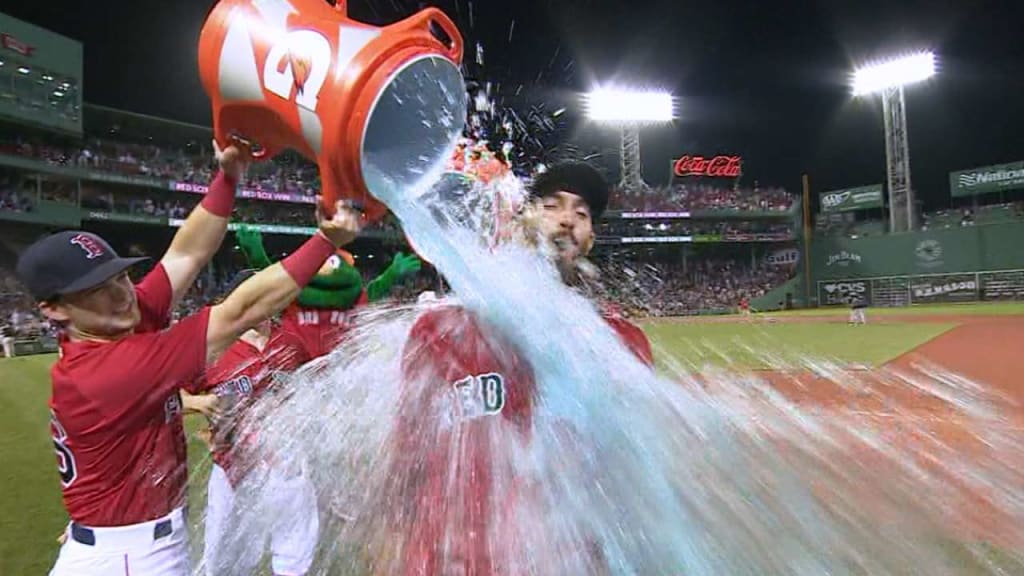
454 366
116 414
243 374
320 330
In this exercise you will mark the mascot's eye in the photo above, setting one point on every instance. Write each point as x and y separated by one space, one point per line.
334 261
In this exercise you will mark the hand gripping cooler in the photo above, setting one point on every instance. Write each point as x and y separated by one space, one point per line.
375 108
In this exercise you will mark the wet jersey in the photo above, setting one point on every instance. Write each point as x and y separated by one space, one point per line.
481 389
242 375
116 414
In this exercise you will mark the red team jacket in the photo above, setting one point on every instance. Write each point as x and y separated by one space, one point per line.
451 366
320 330
244 373
116 414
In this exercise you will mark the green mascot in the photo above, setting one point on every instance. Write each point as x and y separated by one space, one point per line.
323 312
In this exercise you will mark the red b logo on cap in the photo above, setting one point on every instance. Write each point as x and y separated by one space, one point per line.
88 244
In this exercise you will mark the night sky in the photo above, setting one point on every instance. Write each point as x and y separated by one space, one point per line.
766 80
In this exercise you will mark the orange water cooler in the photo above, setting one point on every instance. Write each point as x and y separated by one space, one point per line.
375 108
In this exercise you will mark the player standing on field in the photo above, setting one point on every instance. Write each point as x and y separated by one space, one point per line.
115 407
454 361
248 371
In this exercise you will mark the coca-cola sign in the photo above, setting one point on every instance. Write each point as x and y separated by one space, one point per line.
717 167
13 44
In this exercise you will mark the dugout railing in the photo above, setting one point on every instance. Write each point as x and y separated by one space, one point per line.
895 291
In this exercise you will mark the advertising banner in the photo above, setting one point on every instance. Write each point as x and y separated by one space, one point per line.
987 179
784 257
247 193
128 218
849 199
843 292
945 288
757 236
720 166
266 228
656 239
654 215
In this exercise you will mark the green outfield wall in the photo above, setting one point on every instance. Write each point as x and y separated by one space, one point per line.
968 249
959 264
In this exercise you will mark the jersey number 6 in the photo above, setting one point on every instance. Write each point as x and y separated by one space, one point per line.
65 459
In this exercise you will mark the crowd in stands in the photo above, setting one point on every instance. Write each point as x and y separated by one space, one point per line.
979 215
692 197
701 286
635 228
284 173
19 317
847 224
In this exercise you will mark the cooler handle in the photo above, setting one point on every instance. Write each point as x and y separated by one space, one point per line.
434 15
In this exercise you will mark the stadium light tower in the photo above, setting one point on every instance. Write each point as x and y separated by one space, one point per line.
888 79
629 110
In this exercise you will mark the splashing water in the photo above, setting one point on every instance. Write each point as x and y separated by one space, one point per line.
625 471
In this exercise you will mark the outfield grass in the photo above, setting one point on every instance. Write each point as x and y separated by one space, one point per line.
32 513
971 308
763 345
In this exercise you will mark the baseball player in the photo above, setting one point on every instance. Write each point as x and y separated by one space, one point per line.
858 305
247 371
453 359
115 405
745 307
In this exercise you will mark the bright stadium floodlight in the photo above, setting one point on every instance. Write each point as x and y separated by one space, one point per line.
888 79
629 109
893 73
607 105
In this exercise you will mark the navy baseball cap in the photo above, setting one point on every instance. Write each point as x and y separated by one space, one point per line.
579 178
68 262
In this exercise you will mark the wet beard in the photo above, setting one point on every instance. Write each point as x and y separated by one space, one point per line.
578 272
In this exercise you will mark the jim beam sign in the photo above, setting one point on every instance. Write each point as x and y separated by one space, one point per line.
847 200
987 179
946 288
844 292
842 258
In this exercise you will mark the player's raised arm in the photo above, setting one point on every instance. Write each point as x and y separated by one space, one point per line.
201 235
272 289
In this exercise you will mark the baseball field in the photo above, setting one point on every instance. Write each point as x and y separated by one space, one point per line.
981 342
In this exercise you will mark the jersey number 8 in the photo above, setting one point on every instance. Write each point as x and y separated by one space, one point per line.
65 459
481 395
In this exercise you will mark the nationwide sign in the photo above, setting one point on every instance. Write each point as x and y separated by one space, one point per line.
987 179
717 167
861 198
